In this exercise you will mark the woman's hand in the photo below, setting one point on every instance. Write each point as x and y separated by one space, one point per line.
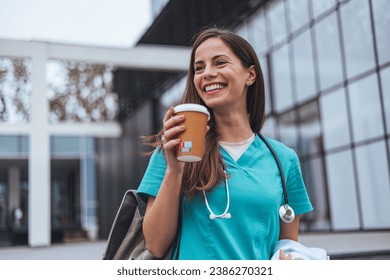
286 257
172 126
283 256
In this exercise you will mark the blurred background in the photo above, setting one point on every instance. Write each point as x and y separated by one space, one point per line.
81 81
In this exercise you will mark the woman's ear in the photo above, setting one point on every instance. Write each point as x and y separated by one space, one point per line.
251 75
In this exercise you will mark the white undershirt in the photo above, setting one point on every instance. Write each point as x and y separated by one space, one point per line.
236 149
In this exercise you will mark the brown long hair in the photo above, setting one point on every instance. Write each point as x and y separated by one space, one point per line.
205 174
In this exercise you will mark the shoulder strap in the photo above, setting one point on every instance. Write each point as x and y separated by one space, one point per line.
279 166
122 221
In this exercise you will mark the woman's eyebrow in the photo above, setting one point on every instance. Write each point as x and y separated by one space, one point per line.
213 58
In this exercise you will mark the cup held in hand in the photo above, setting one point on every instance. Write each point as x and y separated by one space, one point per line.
191 147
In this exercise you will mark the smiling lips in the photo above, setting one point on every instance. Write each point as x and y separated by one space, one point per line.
213 87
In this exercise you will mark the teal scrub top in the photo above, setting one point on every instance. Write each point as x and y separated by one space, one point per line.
256 194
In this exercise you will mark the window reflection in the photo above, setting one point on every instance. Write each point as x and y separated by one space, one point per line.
288 130
269 128
334 116
328 50
322 6
365 109
281 79
13 145
313 175
264 68
15 90
342 191
277 21
259 32
374 186
311 141
243 31
65 144
304 67
357 33
381 13
385 80
299 13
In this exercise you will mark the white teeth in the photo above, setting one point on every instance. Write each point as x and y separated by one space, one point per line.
213 87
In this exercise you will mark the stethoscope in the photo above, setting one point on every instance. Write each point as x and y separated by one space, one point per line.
286 213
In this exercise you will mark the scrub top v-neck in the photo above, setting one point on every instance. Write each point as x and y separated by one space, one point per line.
255 197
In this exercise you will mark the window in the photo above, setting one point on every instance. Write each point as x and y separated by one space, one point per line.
242 30
277 21
65 145
259 30
328 50
342 192
334 116
281 79
322 6
15 90
381 10
357 33
365 109
264 68
311 140
313 176
385 81
288 130
269 128
299 13
304 67
14 145
374 186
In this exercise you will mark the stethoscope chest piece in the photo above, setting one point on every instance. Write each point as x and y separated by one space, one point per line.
286 213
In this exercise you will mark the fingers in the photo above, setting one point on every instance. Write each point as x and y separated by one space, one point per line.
168 114
173 121
170 134
171 125
283 256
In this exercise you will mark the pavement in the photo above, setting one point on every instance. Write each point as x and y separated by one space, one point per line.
351 245
86 250
367 245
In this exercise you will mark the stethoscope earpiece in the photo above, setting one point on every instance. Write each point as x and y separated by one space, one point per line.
225 214
286 213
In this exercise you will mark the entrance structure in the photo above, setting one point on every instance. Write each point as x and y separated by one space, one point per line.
39 130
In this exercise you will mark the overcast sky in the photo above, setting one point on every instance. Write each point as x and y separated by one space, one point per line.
114 23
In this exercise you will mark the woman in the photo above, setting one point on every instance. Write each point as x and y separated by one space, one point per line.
225 76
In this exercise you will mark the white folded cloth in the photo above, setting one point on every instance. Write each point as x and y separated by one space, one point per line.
299 251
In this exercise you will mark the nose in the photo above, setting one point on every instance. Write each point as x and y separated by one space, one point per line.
209 72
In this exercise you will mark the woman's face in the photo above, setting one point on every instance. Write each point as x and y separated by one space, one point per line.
219 76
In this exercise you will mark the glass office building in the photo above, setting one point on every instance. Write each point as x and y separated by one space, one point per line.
326 65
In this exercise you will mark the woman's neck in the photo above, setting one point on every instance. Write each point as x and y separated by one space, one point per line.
233 127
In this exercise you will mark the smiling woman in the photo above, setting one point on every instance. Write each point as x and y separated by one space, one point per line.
237 175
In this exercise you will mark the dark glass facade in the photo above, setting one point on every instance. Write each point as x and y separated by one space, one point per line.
328 63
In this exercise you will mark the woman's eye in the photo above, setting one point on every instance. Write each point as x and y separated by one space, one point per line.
198 68
220 62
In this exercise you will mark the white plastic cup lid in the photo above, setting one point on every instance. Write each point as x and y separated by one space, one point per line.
192 107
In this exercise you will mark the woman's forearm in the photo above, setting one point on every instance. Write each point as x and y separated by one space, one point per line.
161 217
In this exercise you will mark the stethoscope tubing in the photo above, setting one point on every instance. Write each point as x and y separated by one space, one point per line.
286 212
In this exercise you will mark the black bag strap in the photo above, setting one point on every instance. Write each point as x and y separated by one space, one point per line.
122 222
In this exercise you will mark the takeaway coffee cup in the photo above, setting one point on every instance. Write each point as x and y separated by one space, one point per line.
191 147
